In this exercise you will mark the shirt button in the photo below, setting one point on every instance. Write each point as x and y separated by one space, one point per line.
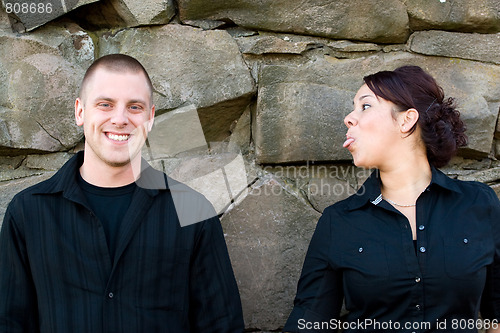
466 240
421 227
422 249
418 307
111 295
360 250
417 279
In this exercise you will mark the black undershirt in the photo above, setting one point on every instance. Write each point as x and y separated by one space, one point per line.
109 204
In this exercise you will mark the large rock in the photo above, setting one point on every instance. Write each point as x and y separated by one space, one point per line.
28 15
271 44
387 20
10 188
241 134
267 237
297 120
177 146
300 109
479 116
40 74
174 133
496 188
467 16
333 183
47 162
9 167
4 21
497 131
191 66
322 185
487 176
65 39
124 13
277 43
222 178
17 167
482 47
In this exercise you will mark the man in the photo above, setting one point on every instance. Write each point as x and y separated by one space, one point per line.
99 246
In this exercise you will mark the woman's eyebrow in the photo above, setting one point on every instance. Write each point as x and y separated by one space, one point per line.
362 97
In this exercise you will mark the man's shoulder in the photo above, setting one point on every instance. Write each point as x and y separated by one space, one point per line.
154 179
43 187
191 206
50 185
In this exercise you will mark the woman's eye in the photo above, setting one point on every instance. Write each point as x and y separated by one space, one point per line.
365 106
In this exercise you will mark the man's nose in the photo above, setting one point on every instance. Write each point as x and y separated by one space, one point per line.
120 116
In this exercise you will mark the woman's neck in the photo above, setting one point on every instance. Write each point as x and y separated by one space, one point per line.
405 181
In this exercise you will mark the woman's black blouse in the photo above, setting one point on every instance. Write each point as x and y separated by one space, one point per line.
362 250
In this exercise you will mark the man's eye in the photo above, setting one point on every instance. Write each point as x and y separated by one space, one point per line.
104 105
365 106
136 107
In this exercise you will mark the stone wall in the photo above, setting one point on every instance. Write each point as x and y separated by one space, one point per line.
250 99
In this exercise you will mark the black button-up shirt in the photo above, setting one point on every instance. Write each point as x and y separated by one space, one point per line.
362 250
57 274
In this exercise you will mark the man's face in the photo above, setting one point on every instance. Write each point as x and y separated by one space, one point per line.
116 113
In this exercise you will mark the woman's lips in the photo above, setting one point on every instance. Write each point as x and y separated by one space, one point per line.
348 142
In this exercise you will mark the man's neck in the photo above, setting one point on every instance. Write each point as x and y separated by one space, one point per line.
104 175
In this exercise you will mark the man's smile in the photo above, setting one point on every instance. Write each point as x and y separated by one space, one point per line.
117 137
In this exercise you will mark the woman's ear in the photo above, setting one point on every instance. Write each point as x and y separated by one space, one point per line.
408 119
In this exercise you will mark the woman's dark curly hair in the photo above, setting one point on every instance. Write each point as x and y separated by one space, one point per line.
442 130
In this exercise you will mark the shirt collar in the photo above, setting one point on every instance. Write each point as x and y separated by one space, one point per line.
65 180
370 190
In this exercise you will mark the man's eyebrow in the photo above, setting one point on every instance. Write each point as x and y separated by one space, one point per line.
103 98
109 99
140 101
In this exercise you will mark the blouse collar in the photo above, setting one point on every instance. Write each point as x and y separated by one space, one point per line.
370 190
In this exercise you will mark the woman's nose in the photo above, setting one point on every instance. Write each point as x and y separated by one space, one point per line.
349 120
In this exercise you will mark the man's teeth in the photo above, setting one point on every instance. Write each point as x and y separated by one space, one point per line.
118 137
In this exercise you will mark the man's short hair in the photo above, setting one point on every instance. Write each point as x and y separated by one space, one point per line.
115 63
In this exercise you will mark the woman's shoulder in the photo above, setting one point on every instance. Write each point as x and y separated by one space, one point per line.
476 189
342 206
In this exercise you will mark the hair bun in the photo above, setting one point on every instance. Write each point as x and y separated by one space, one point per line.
443 132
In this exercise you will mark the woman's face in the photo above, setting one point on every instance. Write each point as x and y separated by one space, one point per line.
373 133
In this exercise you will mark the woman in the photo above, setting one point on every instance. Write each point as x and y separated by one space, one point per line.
413 250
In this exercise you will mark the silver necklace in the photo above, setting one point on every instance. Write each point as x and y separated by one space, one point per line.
396 204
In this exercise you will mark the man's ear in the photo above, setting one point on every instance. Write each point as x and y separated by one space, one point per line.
408 119
151 119
79 111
